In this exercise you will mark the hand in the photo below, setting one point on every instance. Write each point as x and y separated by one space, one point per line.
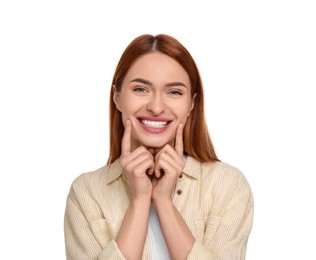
170 161
136 165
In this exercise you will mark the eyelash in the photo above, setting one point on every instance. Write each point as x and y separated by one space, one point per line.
140 89
175 92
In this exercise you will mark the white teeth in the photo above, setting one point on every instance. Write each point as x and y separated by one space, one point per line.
154 124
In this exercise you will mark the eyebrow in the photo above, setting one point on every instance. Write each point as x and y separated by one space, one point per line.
147 82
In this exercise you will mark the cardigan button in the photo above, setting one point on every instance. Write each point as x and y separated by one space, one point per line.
181 175
179 192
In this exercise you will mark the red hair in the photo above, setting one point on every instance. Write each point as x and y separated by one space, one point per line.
197 142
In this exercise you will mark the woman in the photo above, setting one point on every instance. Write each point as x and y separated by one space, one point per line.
163 194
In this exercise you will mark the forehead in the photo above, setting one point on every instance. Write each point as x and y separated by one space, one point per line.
157 67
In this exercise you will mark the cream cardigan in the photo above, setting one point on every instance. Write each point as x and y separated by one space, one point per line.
214 199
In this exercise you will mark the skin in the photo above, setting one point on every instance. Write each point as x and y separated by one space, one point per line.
156 86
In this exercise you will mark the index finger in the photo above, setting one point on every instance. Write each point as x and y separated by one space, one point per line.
179 140
126 140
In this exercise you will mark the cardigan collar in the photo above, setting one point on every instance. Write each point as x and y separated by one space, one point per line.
114 171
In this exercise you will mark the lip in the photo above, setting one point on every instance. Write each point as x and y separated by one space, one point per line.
154 130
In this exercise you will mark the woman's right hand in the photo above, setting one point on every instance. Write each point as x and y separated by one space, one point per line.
136 166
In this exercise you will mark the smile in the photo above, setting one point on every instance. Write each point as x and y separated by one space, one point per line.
154 124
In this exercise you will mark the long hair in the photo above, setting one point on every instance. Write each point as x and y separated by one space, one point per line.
197 142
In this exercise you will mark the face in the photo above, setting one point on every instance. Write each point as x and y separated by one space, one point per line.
156 97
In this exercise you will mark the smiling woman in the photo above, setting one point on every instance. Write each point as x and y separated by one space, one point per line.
163 194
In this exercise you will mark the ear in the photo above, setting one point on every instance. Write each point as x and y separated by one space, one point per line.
116 98
192 104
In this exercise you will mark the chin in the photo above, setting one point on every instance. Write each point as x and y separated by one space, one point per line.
155 143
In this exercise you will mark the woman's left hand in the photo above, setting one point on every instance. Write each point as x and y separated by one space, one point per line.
169 164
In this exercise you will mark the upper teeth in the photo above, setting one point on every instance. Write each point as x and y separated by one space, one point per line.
154 124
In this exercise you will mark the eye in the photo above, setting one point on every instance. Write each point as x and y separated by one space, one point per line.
175 92
140 89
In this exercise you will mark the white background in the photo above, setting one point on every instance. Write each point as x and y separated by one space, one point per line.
258 64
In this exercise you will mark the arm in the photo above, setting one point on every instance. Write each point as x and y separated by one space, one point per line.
80 242
227 232
85 240
132 235
177 235
227 227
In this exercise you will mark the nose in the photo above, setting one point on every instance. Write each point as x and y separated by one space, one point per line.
156 105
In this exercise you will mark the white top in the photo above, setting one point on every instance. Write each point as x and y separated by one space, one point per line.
157 244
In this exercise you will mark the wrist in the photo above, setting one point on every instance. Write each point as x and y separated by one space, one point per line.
141 202
162 203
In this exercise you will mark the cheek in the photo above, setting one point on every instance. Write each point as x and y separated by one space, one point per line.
188 111
128 110
184 117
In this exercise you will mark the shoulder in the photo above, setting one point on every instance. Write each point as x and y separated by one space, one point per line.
222 185
88 178
226 184
219 177
225 176
95 182
211 170
221 171
88 185
103 175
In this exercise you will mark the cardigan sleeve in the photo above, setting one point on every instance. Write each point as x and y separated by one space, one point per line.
80 243
227 232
